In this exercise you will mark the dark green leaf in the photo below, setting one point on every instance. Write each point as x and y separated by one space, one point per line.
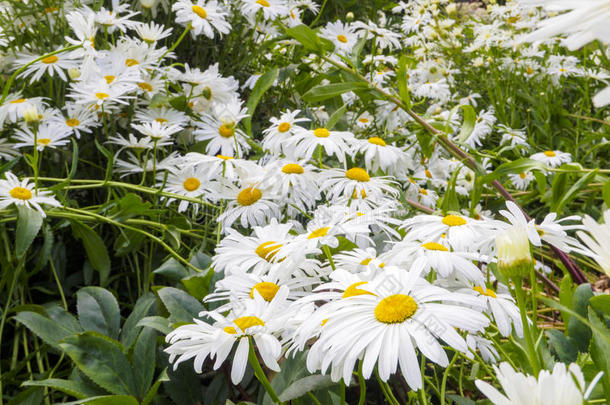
95 248
304 385
107 400
143 308
181 306
600 347
566 291
28 226
563 346
73 388
102 360
326 91
157 323
98 311
577 330
198 285
50 331
262 85
144 360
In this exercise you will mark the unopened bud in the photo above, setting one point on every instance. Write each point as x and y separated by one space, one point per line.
74 73
349 16
31 115
514 257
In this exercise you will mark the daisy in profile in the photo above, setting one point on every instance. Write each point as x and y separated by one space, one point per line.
513 137
384 327
270 8
52 65
563 385
99 94
552 158
522 180
220 128
13 191
384 38
201 17
187 181
295 182
7 150
48 135
379 155
223 166
281 130
355 182
596 237
251 204
337 143
163 115
15 105
342 35
151 32
158 131
359 260
256 318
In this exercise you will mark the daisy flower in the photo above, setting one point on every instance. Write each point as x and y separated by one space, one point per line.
223 166
513 137
7 150
401 313
220 129
48 135
201 17
296 183
552 158
342 35
522 180
98 94
562 385
359 260
281 130
164 115
51 65
355 182
597 239
337 143
151 32
378 154
188 181
14 107
484 346
383 37
13 191
77 120
257 319
157 131
270 8
251 205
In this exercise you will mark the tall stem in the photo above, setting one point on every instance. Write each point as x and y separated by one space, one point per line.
531 349
260 374
362 384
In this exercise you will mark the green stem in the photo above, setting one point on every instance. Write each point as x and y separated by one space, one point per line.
362 384
329 256
533 355
342 392
5 312
445 375
260 374
59 287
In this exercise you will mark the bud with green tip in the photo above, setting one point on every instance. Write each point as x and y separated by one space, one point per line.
514 257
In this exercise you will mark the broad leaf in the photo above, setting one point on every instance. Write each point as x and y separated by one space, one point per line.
181 306
95 248
144 307
262 85
326 91
49 330
28 226
144 360
98 311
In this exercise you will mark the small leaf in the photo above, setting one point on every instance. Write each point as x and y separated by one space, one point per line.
262 85
577 330
102 361
181 306
606 193
335 117
28 226
306 36
198 285
326 91
470 117
305 385
144 360
401 78
98 311
601 303
72 388
565 296
130 330
157 323
572 192
95 248
172 269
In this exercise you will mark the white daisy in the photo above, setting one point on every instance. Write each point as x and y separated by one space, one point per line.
48 135
201 17
552 158
13 191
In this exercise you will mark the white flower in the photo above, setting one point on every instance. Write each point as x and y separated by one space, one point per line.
152 32
597 240
270 8
157 131
379 155
553 158
337 143
202 17
51 65
277 136
342 35
355 183
251 205
522 180
48 135
188 181
13 191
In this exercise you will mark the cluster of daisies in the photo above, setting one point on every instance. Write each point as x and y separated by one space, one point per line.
318 252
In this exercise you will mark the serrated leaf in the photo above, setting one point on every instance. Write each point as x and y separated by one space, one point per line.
142 309
262 85
325 91
50 331
563 346
150 395
28 226
102 361
72 388
577 330
95 249
181 306
98 311
157 323
144 360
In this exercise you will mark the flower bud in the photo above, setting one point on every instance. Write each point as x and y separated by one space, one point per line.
74 73
513 249
31 115
451 8
349 16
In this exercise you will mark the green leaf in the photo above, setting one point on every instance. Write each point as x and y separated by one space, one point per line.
102 360
401 77
107 400
262 85
72 388
307 37
28 226
577 330
144 360
95 248
461 400
157 323
150 395
566 291
470 118
563 346
181 306
198 285
143 308
172 269
304 385
50 331
31 396
516 166
599 349
326 91
601 303
606 193
98 311
572 192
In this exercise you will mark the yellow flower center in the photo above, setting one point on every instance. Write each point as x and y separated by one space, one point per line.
191 184
292 168
249 196
266 289
357 174
353 290
550 153
376 141
200 11
396 308
18 101
364 121
428 174
283 127
423 191
263 3
529 70
342 38
44 141
267 250
21 193
49 59
244 323
318 233
488 293
366 261
453 220
72 122
109 78
321 132
223 157
226 130
101 96
131 62
145 86
435 246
